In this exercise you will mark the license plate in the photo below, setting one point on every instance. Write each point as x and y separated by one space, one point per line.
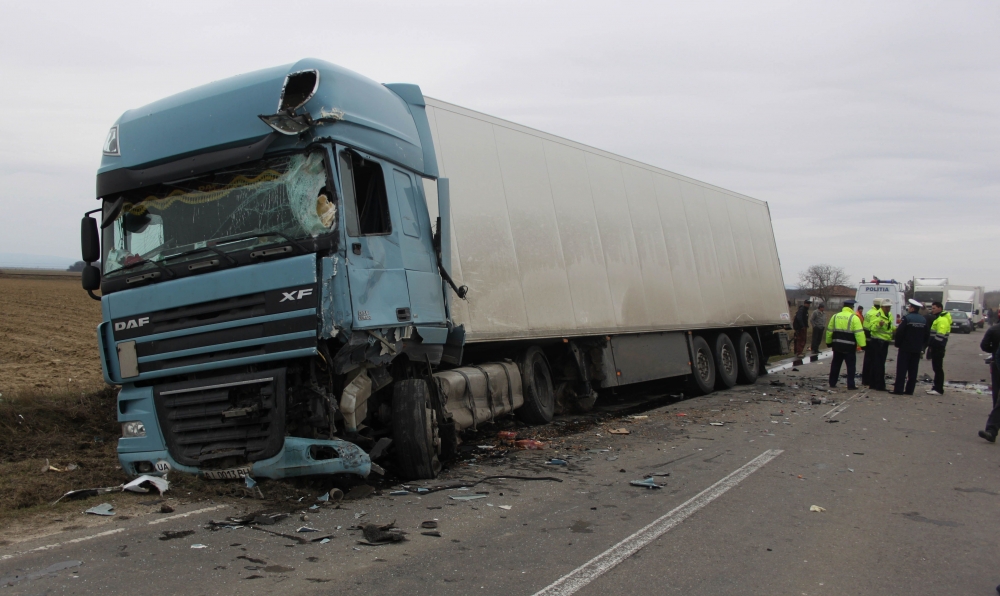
226 474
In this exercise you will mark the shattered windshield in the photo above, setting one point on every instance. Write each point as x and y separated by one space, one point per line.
254 205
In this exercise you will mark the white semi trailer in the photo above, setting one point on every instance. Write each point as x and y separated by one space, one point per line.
283 290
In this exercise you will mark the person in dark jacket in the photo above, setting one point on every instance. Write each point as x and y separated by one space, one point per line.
912 336
991 345
801 325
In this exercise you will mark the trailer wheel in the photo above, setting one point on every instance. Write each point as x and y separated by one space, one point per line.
726 363
749 359
702 367
536 381
413 430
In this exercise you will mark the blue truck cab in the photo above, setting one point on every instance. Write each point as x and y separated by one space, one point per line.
271 284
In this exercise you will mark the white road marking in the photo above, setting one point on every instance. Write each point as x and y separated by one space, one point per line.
604 562
180 515
108 533
58 544
841 407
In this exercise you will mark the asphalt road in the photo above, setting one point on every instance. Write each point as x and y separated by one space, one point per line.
910 497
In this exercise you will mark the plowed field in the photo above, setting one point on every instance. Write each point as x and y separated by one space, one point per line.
48 338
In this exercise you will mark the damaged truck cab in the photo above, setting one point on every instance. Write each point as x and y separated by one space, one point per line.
281 257
267 275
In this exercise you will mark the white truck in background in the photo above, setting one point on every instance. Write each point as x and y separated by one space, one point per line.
929 289
967 299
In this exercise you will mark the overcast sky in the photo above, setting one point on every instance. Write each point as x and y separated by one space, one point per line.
870 128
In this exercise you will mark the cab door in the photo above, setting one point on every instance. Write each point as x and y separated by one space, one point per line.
423 281
376 275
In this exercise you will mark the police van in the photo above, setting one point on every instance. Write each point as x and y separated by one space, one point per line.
869 292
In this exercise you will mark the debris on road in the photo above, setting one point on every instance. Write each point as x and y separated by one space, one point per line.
399 493
156 482
429 525
164 508
505 507
360 491
382 534
199 546
557 462
646 483
620 431
434 533
529 444
816 509
716 423
174 534
105 509
466 497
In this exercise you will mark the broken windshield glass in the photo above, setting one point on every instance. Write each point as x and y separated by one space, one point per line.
266 202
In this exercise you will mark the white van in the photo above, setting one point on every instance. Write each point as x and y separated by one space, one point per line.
867 293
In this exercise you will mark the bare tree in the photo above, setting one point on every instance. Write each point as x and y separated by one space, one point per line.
820 280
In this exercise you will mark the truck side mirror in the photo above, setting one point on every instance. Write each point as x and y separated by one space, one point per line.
90 242
91 278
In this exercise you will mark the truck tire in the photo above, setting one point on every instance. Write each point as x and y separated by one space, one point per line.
748 358
702 380
536 382
413 430
726 363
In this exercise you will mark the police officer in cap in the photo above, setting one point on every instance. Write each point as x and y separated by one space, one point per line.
911 339
845 334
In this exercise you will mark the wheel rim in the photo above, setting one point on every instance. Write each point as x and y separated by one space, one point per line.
704 367
728 362
750 356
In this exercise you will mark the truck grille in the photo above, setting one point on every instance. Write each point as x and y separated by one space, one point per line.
239 417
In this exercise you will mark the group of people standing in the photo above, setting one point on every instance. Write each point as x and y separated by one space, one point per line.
848 332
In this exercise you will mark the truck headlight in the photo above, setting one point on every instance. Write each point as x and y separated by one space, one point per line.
133 430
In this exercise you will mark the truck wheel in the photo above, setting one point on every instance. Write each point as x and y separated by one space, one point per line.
536 382
413 430
702 367
748 358
726 364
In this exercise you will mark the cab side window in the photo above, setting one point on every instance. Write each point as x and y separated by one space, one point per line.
366 204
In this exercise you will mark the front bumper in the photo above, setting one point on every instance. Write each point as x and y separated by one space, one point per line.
294 459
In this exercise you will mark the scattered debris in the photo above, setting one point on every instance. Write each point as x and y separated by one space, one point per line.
434 533
54 568
529 444
816 509
173 534
156 482
716 423
620 431
639 417
379 449
429 525
557 462
198 546
105 509
305 529
504 507
646 483
336 495
164 508
384 534
466 497
681 414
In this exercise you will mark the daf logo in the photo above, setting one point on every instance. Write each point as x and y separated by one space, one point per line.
131 324
293 295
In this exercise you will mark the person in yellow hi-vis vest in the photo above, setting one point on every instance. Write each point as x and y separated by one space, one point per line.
845 334
882 330
866 323
940 321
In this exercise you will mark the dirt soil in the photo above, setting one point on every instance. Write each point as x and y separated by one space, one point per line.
48 338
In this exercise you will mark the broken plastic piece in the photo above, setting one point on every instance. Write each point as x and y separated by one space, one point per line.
557 462
102 509
816 509
158 483
305 529
429 525
620 431
323 498
646 483
399 493
505 507
324 541
250 482
466 497
198 546
715 423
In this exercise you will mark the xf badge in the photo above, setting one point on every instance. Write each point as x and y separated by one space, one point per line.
293 295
